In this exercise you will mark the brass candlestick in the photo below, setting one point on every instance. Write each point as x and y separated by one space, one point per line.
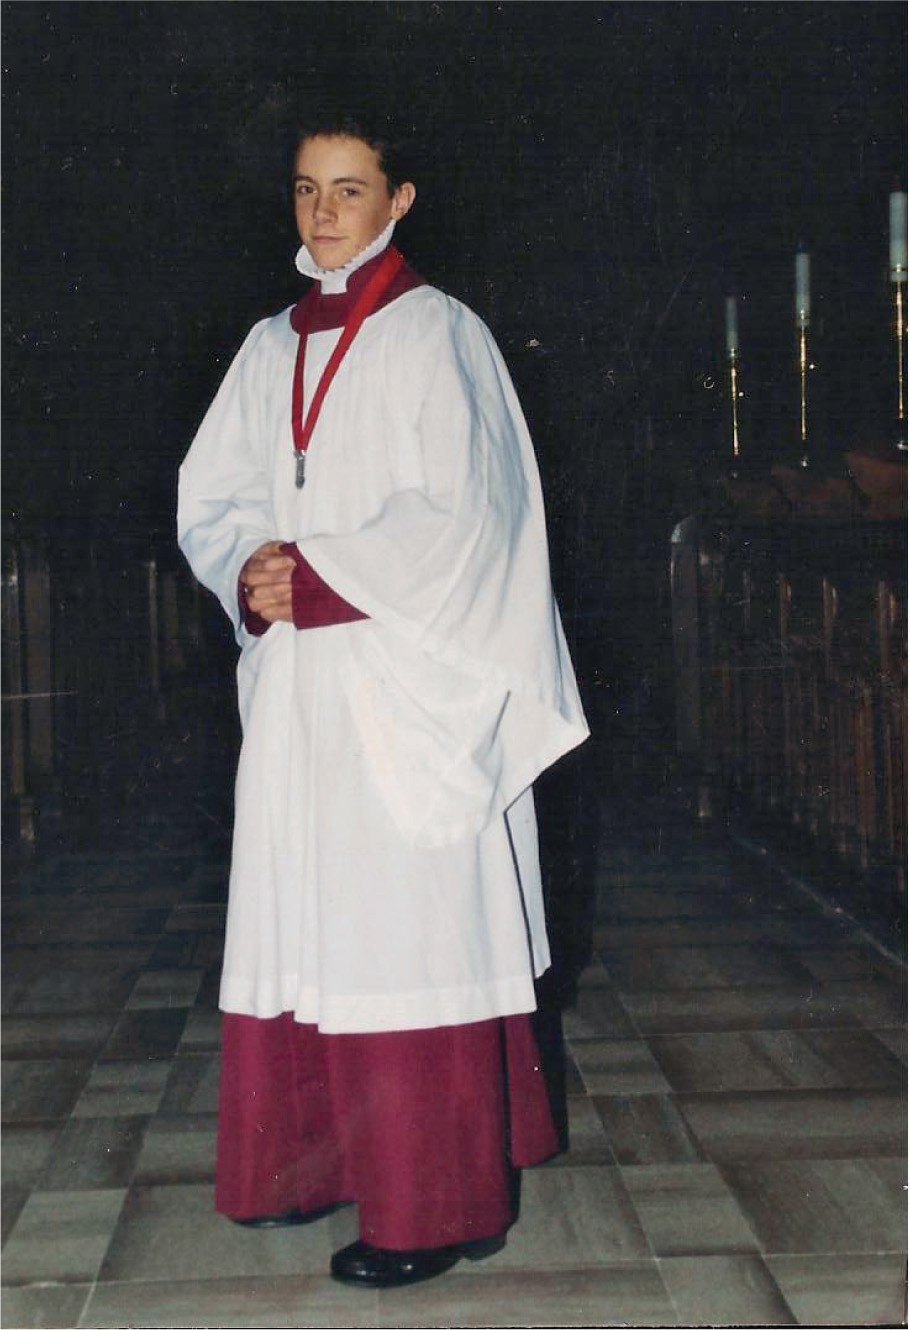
900 336
732 344
802 327
897 218
734 396
804 392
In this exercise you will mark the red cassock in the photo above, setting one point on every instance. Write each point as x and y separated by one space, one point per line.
419 1127
385 921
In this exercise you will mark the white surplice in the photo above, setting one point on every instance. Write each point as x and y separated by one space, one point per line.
385 870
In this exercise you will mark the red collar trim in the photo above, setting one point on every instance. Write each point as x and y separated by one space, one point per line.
316 312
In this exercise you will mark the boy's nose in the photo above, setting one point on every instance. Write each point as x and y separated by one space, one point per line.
324 208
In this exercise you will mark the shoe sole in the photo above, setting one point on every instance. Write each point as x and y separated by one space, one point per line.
293 1217
478 1250
392 1280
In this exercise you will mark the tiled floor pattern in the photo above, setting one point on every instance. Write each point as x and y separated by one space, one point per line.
736 1076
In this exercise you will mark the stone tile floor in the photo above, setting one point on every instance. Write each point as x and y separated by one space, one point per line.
736 1095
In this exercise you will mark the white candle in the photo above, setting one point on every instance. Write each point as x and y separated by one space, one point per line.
897 214
802 289
732 327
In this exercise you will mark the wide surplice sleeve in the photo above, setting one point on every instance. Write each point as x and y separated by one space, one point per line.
463 689
224 503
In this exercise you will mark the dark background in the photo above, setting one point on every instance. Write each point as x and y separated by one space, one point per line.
594 179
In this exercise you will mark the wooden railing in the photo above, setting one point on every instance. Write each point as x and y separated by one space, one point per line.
96 645
791 683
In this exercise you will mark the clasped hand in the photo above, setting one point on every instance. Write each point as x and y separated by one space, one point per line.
266 579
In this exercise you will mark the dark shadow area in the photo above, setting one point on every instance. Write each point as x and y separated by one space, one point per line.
594 180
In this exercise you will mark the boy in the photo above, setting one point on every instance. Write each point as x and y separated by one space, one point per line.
363 498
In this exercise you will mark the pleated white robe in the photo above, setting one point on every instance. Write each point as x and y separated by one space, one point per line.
385 871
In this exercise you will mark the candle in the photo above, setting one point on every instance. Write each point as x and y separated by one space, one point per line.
897 212
732 327
802 289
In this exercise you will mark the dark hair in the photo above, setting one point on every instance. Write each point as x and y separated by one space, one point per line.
391 148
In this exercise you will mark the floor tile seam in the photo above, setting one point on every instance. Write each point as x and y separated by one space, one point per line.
221 904
71 901
760 1256
62 1017
486 1275
750 1030
91 1280
773 1254
814 1028
51 858
89 1289
664 864
11 1058
630 1199
801 973
82 1119
43 1284
124 1183
682 882
115 1059
489 1276
729 1193
818 1092
891 1078
757 1255
764 1157
633 1024
670 921
164 1006
886 1157
722 944
94 1188
827 909
783 1258
605 902
814 988
597 1166
722 1161
172 969
69 945
82 906
88 1300
650 1092
60 1121
84 1011
768 1252
743 1090
573 1040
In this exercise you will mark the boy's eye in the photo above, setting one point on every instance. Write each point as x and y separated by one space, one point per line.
303 189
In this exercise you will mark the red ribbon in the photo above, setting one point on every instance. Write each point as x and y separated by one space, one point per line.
366 302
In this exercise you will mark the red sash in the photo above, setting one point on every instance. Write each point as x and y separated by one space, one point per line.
367 301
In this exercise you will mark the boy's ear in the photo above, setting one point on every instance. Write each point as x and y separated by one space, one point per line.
402 199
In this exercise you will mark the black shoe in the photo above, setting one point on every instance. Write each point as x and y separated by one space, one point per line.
292 1217
480 1248
378 1267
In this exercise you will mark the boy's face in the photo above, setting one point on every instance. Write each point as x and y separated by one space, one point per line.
341 198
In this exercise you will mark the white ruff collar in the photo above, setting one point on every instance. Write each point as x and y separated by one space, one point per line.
335 280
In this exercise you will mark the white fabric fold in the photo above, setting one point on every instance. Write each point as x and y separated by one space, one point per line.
457 571
385 871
